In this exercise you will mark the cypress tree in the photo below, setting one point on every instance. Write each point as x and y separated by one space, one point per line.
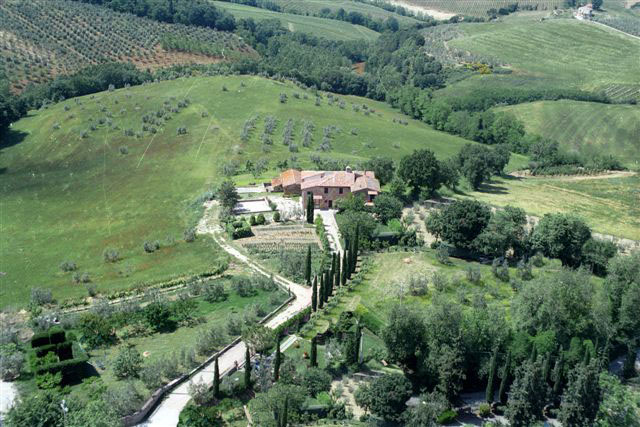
314 294
534 354
357 343
502 392
343 279
557 374
491 379
307 266
310 209
277 361
356 248
321 292
314 353
247 369
327 285
338 275
216 379
285 412
546 368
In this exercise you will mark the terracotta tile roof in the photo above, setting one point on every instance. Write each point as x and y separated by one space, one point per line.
365 182
290 177
353 180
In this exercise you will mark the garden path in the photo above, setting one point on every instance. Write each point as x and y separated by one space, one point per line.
168 410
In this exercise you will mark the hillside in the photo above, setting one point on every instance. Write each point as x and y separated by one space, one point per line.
318 7
476 7
44 38
585 127
558 53
328 28
74 184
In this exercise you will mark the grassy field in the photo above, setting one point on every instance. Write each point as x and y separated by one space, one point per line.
585 127
609 206
328 28
316 7
66 197
563 53
35 41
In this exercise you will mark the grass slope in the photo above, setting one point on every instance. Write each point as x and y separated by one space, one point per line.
40 39
65 197
564 53
328 28
316 7
609 206
585 127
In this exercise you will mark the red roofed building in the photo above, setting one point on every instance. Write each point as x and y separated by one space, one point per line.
327 186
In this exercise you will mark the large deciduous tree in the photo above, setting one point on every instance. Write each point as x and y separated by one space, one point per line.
460 222
561 236
387 207
383 167
421 170
386 396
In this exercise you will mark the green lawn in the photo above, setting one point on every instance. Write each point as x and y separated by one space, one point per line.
585 127
609 206
65 197
327 28
562 53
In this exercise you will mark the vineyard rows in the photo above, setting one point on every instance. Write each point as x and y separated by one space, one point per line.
480 7
44 38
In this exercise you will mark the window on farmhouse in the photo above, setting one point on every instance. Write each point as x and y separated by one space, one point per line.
326 190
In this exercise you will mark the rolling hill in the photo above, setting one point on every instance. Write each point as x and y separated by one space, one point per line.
82 175
321 27
585 127
557 53
44 38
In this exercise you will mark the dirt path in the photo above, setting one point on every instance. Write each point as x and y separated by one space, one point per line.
168 410
608 175
437 14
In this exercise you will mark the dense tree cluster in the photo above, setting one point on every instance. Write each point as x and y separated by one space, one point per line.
200 13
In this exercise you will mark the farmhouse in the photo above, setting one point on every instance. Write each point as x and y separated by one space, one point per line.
327 186
584 12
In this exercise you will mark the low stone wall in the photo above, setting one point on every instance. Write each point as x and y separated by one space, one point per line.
158 395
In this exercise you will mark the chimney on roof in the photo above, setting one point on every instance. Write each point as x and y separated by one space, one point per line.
348 169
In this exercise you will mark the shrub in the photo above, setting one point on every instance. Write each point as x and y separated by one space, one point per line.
182 131
81 278
150 247
442 254
524 270
189 235
149 374
11 362
439 281
447 417
260 219
67 266
40 296
316 380
234 325
418 285
111 255
210 339
484 410
473 274
243 287
500 269
124 398
276 216
252 220
214 292
283 98
127 363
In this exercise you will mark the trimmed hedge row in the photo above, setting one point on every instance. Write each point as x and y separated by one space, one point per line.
55 335
239 229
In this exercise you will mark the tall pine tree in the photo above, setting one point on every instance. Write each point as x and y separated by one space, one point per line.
314 294
247 369
307 266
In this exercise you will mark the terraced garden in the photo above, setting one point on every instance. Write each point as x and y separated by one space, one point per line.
41 39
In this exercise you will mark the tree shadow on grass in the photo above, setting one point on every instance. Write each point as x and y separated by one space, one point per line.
11 137
492 187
